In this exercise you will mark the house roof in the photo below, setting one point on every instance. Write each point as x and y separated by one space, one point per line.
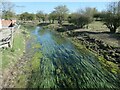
7 23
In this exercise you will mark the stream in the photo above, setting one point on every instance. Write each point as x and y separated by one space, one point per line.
65 66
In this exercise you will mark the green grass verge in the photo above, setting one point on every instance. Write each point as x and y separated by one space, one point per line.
11 55
32 69
97 26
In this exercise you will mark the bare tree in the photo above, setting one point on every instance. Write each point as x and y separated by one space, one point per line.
119 7
7 10
7 6
111 18
61 12
0 9
114 7
40 15
88 11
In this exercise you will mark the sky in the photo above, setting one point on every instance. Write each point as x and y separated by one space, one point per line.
62 0
47 7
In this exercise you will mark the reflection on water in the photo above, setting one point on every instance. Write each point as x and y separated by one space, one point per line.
65 66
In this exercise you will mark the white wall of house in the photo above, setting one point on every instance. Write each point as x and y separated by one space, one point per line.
0 23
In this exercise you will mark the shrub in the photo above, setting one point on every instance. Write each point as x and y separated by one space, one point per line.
112 21
79 19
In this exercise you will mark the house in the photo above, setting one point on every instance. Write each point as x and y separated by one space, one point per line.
7 23
0 24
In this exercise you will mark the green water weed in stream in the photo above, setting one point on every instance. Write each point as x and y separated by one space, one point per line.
59 63
67 65
34 66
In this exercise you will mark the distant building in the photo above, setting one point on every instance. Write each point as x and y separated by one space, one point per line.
7 23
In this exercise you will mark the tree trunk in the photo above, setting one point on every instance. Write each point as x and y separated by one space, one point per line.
52 21
112 30
60 22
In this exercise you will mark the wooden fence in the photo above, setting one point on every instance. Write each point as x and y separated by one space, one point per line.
6 36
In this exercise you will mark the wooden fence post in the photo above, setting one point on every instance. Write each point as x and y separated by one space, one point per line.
11 43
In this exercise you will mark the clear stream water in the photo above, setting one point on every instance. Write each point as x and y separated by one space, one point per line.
63 65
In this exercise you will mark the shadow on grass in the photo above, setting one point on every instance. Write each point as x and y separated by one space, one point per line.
43 24
114 35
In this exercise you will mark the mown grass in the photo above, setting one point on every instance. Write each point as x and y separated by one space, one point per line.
97 26
11 55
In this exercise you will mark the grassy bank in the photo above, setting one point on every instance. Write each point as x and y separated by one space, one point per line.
30 73
11 55
19 65
108 65
30 26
